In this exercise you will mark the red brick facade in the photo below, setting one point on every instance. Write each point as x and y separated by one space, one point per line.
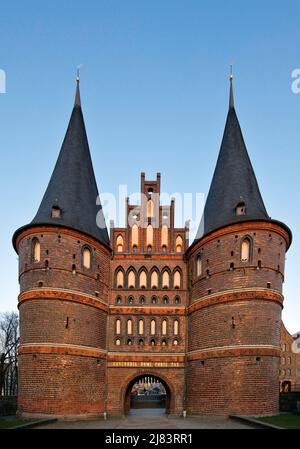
289 369
209 330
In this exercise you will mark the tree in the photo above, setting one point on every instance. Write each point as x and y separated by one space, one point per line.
9 340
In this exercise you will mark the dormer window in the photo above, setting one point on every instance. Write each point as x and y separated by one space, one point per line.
56 212
240 209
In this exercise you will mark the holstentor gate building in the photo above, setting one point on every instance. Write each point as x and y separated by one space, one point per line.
96 313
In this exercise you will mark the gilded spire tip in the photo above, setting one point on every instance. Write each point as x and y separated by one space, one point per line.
77 96
231 98
78 72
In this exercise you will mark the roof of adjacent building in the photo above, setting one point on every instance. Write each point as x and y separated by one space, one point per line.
72 188
233 181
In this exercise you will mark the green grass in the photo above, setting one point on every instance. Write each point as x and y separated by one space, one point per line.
7 422
285 420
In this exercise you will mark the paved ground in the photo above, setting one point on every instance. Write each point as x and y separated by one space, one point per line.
150 419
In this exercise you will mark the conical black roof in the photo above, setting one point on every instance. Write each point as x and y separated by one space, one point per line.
72 190
234 183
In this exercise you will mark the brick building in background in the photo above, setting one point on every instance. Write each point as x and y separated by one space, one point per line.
97 313
289 371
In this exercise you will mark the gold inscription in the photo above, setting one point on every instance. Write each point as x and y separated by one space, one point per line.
148 364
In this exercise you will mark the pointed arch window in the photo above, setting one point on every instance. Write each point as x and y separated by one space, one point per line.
86 258
118 326
154 279
131 279
199 265
135 235
177 300
36 251
143 279
120 278
177 279
164 236
246 250
164 327
154 300
149 236
178 244
129 327
141 327
176 327
152 327
165 300
120 244
165 279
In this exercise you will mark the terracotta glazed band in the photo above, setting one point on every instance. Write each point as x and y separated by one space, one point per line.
237 351
237 295
52 229
64 349
62 295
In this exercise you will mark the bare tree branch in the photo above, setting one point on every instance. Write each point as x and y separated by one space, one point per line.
9 340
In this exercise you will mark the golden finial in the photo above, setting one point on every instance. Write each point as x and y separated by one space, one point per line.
231 72
78 72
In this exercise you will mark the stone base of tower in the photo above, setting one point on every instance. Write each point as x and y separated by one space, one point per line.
246 385
61 386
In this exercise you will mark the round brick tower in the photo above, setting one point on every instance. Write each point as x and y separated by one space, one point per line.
236 271
64 257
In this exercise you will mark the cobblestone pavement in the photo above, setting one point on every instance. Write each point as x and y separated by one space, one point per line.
150 419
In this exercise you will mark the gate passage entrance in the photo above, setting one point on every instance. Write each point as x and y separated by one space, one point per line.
147 393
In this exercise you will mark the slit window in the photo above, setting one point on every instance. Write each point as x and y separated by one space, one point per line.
118 326
199 265
141 327
176 327
152 327
129 327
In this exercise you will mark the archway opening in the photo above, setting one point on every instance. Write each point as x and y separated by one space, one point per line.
147 395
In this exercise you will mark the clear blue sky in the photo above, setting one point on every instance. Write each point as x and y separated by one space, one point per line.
155 96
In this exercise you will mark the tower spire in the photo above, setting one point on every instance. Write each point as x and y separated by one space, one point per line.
234 183
231 98
71 198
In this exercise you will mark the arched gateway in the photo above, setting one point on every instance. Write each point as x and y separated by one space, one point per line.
148 390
